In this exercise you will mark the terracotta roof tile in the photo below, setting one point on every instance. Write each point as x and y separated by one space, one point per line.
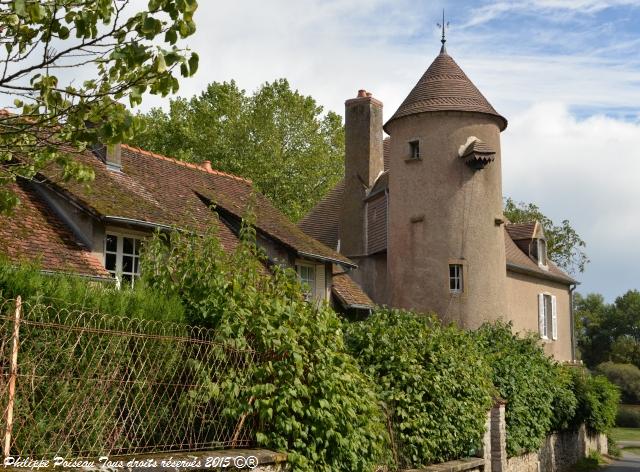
159 190
519 231
445 87
349 293
34 233
323 221
516 257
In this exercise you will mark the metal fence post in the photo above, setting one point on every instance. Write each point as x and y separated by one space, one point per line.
12 376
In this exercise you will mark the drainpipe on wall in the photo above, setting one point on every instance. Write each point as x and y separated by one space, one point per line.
573 322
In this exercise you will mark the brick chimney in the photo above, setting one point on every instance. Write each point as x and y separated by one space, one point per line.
363 163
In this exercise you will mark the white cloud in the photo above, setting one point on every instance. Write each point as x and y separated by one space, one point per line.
585 171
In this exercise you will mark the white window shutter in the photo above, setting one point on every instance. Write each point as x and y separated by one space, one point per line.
541 322
321 289
554 318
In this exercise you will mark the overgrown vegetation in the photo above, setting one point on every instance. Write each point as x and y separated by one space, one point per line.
537 391
625 376
67 291
308 395
418 392
434 382
598 401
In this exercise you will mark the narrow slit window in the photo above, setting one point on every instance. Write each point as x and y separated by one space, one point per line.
455 278
414 149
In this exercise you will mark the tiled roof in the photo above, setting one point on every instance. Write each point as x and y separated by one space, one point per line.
516 258
478 146
159 190
445 87
348 292
323 221
36 234
519 231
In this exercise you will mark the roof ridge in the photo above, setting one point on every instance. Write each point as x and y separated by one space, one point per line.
185 164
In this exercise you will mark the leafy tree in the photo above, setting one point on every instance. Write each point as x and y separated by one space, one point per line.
49 43
276 137
609 332
564 246
625 376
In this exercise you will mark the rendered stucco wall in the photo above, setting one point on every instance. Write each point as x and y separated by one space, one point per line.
522 296
441 211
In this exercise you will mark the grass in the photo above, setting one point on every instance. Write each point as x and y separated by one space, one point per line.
625 434
632 450
589 464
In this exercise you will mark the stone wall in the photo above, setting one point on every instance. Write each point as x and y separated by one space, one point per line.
558 453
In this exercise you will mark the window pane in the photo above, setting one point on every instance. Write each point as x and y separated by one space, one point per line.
127 245
112 243
136 250
110 262
127 264
136 265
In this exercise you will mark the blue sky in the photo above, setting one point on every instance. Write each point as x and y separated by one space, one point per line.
566 73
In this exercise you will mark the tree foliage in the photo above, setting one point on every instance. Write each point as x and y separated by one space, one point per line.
609 332
307 394
434 382
48 44
538 393
276 137
564 246
625 376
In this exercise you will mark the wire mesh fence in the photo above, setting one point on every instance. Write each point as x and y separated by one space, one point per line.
90 384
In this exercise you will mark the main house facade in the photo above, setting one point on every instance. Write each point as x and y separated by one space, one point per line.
421 213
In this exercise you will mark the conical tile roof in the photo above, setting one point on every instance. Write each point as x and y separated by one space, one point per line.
445 87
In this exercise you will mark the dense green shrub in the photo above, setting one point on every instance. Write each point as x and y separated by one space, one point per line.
625 376
535 387
68 291
598 401
307 394
433 380
628 416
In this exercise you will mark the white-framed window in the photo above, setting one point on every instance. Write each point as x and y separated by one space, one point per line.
547 316
313 280
122 256
307 277
414 149
541 252
456 282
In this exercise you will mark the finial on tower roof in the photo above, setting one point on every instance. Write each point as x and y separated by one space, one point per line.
443 25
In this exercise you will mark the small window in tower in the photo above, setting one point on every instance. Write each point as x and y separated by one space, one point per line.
455 278
414 149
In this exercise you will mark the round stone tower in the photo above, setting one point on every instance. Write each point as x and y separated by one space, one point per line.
446 249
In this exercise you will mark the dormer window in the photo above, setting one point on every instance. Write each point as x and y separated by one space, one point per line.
541 252
414 149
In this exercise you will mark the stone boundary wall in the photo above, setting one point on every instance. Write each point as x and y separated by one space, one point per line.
558 453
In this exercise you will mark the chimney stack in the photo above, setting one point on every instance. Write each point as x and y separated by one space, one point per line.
363 164
206 165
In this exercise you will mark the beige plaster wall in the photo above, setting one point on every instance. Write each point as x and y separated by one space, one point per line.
440 212
522 295
371 275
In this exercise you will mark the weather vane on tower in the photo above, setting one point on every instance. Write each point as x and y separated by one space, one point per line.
444 26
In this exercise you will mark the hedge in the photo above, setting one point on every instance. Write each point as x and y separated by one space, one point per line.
598 401
536 389
80 293
433 380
